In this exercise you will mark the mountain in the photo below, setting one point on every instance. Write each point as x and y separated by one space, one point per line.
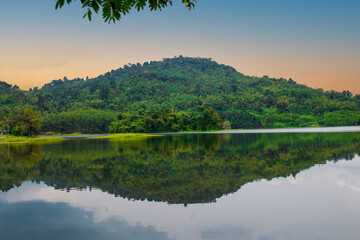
184 84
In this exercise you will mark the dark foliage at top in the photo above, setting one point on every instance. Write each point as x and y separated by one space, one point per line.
112 10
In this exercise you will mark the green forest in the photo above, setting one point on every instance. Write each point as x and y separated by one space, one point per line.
172 95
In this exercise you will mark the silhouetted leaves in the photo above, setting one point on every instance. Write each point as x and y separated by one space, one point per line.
112 10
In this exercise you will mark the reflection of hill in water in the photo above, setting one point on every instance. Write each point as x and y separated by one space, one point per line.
176 169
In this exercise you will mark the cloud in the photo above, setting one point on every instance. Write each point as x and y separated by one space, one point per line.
227 233
40 220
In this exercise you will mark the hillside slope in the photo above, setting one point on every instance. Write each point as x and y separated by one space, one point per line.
183 84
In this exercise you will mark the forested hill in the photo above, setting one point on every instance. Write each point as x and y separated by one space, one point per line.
180 87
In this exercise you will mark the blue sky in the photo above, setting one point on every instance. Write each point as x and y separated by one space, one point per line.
316 42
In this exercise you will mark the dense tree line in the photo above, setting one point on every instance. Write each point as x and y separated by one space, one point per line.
183 85
90 121
167 121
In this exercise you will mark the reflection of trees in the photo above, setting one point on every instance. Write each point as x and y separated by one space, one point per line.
18 163
184 169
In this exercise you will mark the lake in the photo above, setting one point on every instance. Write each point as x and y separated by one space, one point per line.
190 186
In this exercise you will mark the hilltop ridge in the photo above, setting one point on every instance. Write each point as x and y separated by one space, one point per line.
183 84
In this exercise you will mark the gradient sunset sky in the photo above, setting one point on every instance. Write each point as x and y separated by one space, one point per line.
315 42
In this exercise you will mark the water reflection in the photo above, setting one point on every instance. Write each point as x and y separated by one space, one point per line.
42 221
173 169
320 203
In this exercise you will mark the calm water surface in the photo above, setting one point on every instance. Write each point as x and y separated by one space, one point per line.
219 186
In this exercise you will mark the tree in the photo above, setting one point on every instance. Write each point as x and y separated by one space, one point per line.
27 123
226 125
113 9
269 117
3 126
208 119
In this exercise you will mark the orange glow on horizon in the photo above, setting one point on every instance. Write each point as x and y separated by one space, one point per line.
335 77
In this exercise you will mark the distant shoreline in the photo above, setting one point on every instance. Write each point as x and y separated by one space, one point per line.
60 138
276 130
137 135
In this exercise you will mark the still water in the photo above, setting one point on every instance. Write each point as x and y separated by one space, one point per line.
217 186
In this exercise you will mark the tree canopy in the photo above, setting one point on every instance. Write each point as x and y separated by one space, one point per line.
112 10
177 94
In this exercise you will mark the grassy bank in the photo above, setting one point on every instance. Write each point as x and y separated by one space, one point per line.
5 139
125 136
59 138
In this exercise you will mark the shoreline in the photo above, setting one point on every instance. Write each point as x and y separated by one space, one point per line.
276 130
60 138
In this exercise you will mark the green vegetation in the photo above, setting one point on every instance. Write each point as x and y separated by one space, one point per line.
42 140
79 121
113 9
6 139
178 94
125 136
175 169
167 121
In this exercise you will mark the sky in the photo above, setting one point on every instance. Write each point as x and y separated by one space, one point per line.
315 42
